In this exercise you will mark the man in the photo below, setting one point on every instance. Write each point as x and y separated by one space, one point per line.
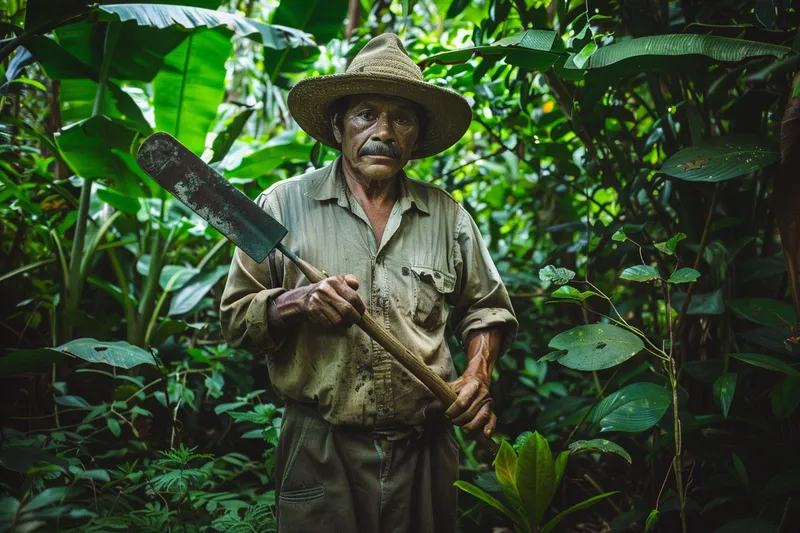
363 446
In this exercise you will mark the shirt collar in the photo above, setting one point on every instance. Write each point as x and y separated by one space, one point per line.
331 186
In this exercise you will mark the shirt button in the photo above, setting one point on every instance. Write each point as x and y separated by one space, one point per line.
437 275
405 271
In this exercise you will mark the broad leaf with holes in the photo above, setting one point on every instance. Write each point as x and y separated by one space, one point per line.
599 445
559 276
596 347
631 409
765 311
722 158
119 354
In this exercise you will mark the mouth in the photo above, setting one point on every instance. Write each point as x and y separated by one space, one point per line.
381 157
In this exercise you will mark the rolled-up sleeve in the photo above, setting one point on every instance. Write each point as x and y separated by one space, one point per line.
480 300
249 290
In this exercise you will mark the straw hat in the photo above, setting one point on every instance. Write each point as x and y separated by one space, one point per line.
382 67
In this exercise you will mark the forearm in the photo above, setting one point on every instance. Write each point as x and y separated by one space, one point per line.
483 348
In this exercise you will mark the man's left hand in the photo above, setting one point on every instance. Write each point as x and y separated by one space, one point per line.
472 409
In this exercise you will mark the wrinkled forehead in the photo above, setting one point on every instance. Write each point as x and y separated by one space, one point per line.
382 101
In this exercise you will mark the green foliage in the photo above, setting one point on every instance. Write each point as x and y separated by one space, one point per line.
635 148
596 347
529 480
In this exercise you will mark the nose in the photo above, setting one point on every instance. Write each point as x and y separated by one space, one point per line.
383 129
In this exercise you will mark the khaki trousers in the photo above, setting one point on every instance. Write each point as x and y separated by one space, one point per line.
331 480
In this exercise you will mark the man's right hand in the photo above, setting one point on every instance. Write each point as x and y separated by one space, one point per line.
333 302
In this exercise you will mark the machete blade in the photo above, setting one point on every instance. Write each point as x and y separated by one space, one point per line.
212 197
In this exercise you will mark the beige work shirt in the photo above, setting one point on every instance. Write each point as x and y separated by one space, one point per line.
431 264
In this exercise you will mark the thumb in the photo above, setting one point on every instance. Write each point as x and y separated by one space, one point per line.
352 281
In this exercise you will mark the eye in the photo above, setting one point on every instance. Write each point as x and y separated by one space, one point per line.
366 114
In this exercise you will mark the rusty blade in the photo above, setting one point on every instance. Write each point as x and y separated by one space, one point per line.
211 196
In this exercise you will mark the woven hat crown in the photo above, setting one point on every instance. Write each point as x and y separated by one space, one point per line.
385 55
382 67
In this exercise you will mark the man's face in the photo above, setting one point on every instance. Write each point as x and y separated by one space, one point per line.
377 134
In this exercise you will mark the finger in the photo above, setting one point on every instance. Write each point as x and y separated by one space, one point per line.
316 316
475 407
330 315
480 420
352 281
464 399
488 429
346 293
337 293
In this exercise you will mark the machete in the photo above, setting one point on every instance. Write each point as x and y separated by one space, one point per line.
243 222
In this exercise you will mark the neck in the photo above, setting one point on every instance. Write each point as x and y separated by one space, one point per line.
374 192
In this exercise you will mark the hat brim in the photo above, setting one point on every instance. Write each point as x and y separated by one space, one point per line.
448 113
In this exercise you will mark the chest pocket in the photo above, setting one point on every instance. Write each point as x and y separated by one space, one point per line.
430 288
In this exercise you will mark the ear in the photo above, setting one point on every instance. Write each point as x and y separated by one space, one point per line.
337 133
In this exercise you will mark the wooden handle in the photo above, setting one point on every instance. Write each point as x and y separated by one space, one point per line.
403 355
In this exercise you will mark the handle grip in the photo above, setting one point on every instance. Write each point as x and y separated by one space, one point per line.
398 350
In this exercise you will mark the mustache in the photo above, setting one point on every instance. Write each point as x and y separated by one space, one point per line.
379 148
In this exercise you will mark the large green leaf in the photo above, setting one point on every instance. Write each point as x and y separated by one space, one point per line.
39 12
596 347
119 354
599 445
709 303
77 103
21 361
505 467
192 18
765 311
785 397
722 158
223 141
191 294
86 147
532 49
190 87
551 525
535 477
634 408
138 56
648 50
265 160
767 362
323 19
482 495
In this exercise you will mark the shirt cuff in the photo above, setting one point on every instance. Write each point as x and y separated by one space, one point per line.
265 334
488 318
